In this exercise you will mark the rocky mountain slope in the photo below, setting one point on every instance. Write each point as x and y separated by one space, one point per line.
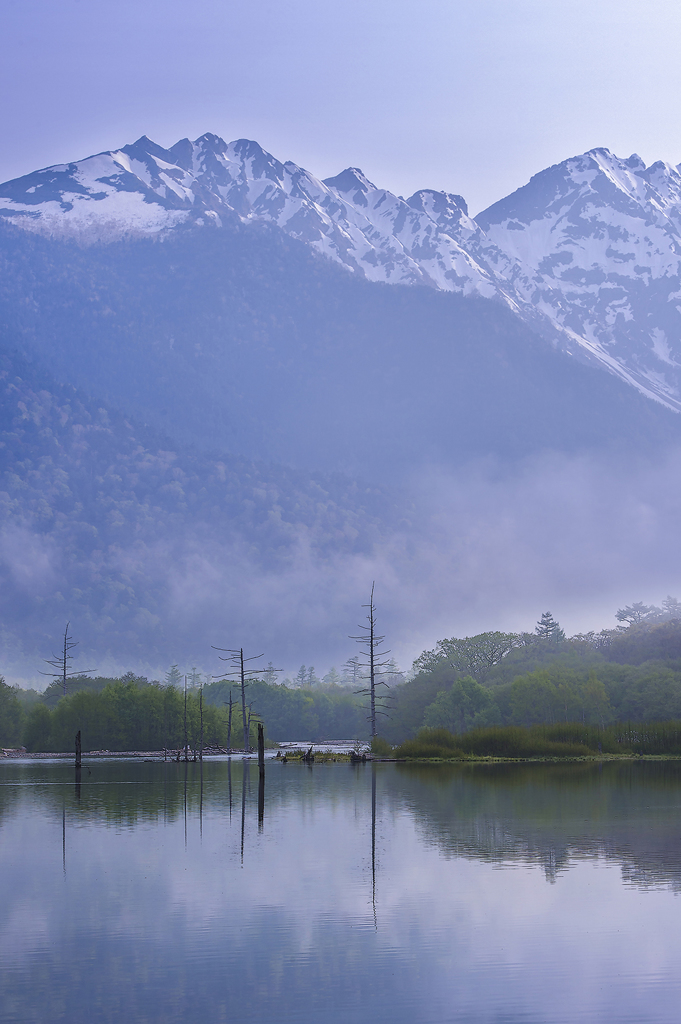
242 340
588 252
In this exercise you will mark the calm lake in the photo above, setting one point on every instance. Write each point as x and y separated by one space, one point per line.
386 893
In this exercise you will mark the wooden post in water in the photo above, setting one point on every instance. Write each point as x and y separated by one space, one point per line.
261 749
261 768
78 765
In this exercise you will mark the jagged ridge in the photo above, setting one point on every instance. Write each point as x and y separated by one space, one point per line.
589 250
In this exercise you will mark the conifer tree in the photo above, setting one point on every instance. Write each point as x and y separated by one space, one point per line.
548 629
174 677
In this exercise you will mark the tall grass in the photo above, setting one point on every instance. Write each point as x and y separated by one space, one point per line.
567 740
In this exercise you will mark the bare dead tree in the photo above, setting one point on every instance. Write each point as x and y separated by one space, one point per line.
243 674
230 705
201 737
61 661
375 664
186 742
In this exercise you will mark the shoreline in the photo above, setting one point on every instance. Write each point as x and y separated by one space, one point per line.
322 757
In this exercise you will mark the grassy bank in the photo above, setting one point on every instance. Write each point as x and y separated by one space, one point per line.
548 741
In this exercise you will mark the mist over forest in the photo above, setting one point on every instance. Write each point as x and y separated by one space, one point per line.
223 439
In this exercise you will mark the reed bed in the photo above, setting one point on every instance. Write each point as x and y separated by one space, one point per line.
567 740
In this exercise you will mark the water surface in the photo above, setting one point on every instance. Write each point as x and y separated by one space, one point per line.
157 892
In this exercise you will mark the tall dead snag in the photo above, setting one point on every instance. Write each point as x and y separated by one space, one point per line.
201 733
186 741
240 672
373 664
61 661
230 705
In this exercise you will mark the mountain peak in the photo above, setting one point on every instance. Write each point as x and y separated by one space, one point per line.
144 145
442 203
211 141
589 249
352 178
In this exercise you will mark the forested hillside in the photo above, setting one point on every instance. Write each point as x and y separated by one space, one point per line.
101 519
243 340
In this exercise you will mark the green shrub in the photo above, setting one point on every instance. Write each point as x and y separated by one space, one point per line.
569 739
431 743
517 741
381 747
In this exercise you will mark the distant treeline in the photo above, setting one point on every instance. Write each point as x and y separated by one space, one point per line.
629 674
134 714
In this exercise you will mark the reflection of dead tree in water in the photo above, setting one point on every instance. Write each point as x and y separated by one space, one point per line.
373 842
201 801
246 775
78 764
185 803
261 778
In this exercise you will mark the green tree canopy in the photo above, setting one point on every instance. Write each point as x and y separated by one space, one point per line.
11 715
467 705
471 656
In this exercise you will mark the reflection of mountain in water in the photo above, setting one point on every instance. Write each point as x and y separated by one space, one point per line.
549 815
552 815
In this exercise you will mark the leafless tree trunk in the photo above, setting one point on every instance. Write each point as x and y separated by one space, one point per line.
60 662
243 674
186 755
243 697
373 642
229 723
201 716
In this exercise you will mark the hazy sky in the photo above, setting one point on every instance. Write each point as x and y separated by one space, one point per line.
472 96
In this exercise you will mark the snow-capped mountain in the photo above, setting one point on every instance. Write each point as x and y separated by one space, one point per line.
594 244
143 190
589 249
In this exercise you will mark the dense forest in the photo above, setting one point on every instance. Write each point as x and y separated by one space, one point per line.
543 678
134 714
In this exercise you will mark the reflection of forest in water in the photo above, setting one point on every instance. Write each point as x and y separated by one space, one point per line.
545 814
553 814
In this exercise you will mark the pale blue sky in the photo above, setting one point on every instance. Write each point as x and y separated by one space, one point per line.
472 96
